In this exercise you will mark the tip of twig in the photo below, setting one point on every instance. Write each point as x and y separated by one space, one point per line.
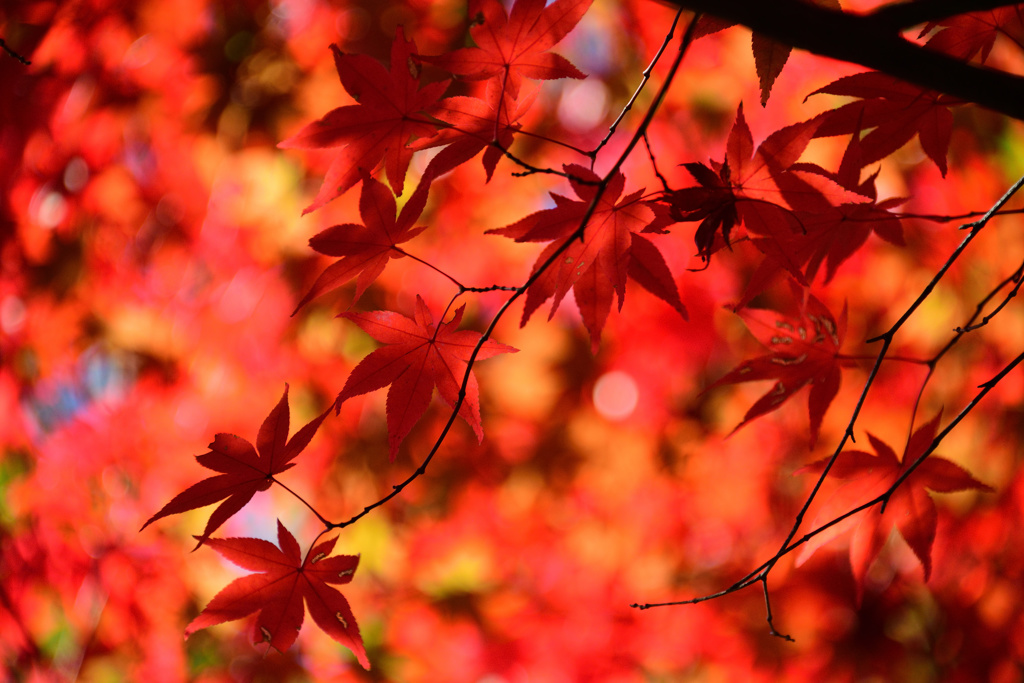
14 54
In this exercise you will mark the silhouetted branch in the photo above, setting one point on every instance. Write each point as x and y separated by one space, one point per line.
537 274
900 16
861 40
760 574
636 93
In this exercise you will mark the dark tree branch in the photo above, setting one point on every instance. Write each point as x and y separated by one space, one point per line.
539 271
1017 279
636 93
860 40
760 574
900 16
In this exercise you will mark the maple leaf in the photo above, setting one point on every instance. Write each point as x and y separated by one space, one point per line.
244 470
379 127
965 35
834 236
474 124
834 227
595 267
713 203
804 350
895 110
910 509
512 46
366 249
285 581
744 187
418 356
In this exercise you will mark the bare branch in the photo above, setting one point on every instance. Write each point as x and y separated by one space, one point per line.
760 573
900 16
538 272
636 93
859 39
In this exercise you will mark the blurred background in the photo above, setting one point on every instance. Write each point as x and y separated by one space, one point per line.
151 255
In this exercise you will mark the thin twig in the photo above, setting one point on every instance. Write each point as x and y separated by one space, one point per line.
553 141
301 500
12 53
492 288
434 268
768 610
636 93
654 165
760 573
1017 280
935 218
534 170
537 273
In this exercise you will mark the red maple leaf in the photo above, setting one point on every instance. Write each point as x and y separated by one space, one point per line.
965 35
417 357
595 267
244 470
895 110
744 187
837 214
387 116
910 509
833 236
366 249
474 124
285 581
511 46
804 350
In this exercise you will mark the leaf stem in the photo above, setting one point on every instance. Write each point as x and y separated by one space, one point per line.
302 500
434 268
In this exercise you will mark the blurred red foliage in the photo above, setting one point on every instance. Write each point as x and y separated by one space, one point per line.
153 249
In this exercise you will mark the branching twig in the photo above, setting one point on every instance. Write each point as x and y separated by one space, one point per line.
636 93
654 164
1017 279
760 574
538 272
533 170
